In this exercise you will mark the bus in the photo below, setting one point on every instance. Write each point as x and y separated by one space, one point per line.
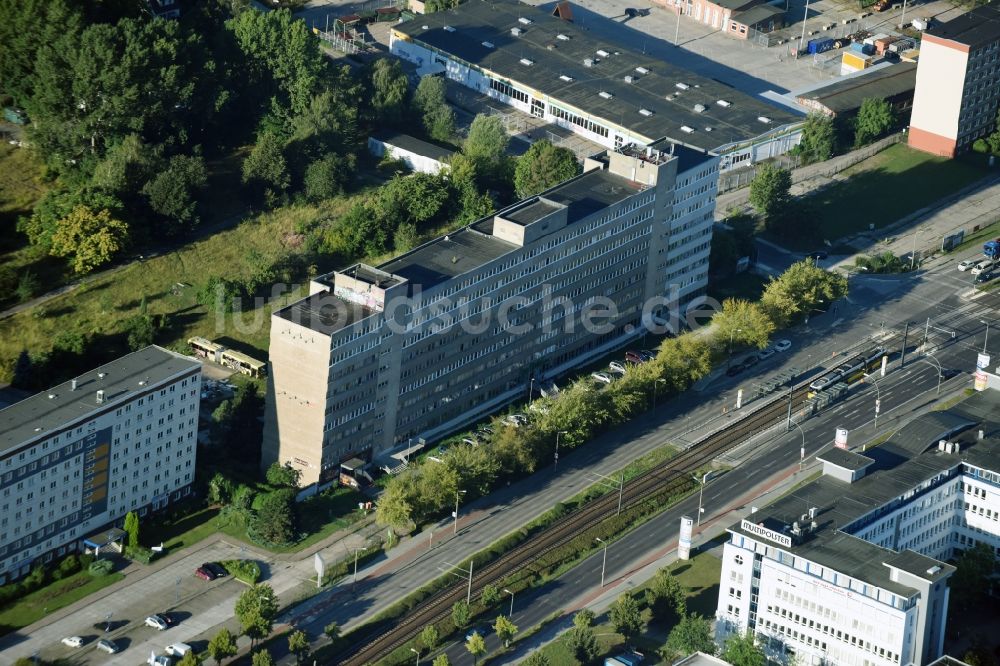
243 363
206 349
850 371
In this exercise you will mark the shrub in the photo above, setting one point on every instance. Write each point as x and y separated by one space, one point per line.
100 568
247 571
980 146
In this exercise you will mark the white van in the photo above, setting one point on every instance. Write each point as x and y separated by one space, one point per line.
177 649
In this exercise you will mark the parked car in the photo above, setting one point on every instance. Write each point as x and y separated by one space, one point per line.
647 354
161 660
481 629
616 367
750 361
203 573
948 373
764 354
986 276
72 641
516 420
983 267
108 645
601 377
634 357
470 441
217 569
967 264
157 622
734 370
782 345
177 649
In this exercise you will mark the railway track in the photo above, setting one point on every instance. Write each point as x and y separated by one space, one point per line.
385 637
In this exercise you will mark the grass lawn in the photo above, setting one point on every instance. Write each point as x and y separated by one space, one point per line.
989 232
52 597
886 187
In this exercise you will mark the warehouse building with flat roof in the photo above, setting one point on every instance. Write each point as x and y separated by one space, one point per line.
850 568
843 97
379 356
602 90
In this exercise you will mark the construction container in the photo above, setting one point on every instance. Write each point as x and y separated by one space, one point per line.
910 56
881 45
901 44
919 23
854 62
820 45
865 49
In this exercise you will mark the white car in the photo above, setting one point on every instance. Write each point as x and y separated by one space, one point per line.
782 345
616 367
983 266
72 641
156 623
765 353
177 649
517 420
967 264
601 377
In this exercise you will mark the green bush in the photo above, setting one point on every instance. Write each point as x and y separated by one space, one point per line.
100 568
980 146
247 571
140 554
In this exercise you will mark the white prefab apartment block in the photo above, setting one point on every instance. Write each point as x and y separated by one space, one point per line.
607 92
78 457
850 569
958 83
376 357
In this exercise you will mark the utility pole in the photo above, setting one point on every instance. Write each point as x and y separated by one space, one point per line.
927 332
902 351
788 425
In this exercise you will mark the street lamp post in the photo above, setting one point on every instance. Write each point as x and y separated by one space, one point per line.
935 364
987 337
458 493
416 653
604 563
656 385
511 602
878 397
732 334
802 449
555 463
701 491
805 15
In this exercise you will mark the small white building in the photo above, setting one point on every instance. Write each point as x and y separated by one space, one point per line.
420 156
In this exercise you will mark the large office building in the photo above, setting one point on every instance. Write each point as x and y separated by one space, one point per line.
958 83
76 458
444 334
607 92
850 569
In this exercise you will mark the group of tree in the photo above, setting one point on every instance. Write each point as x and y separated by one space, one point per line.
974 572
991 142
731 240
875 118
236 425
255 610
824 135
272 517
576 414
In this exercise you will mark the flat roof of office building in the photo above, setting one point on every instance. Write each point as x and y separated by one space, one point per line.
979 26
49 411
549 55
845 95
896 470
324 312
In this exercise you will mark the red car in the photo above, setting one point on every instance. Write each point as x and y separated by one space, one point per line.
210 571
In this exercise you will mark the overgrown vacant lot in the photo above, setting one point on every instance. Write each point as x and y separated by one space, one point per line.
885 188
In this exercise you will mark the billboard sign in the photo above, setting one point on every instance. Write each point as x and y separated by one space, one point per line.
840 441
684 542
982 361
764 533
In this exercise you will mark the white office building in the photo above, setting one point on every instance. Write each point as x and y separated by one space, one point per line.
76 458
850 569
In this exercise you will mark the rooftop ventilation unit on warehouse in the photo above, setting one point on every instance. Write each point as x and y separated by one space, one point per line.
699 108
628 79
565 78
681 85
686 129
489 45
516 32
708 129
724 103
764 119
642 70
605 94
645 112
526 62
602 53
524 21
562 37
448 28
588 62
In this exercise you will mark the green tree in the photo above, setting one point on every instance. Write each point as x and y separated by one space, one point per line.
90 238
266 166
140 331
724 254
486 146
441 660
742 322
173 191
769 189
875 118
332 631
256 609
666 597
584 618
626 617
490 595
222 646
536 659
131 528
818 138
505 629
388 87
543 166
429 102
262 658
582 642
476 646
127 165
220 489
395 507
189 659
298 644
691 634
274 521
979 654
27 287
283 476
57 204
461 614
326 177
970 582
406 237
29 26
743 650
429 637
802 288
